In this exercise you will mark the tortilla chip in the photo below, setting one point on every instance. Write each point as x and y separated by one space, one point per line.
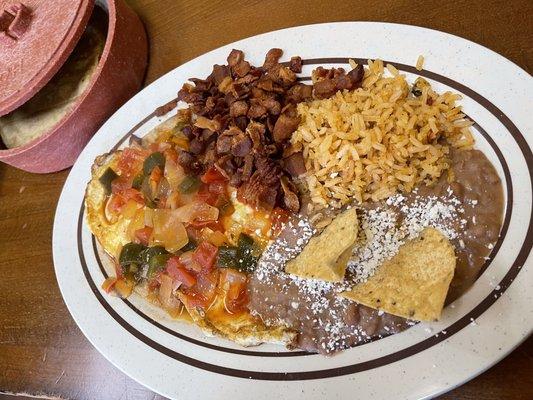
413 284
326 255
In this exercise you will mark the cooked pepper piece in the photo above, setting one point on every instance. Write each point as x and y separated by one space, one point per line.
156 159
131 253
137 181
227 257
156 263
180 125
246 258
191 245
149 252
107 178
224 206
189 184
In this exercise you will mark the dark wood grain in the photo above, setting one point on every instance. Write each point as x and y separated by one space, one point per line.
42 352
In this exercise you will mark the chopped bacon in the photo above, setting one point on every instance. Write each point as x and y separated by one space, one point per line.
295 164
295 64
246 113
261 190
272 58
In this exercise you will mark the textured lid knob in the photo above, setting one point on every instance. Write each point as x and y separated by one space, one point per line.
14 21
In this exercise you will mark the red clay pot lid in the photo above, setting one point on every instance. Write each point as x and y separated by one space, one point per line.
36 38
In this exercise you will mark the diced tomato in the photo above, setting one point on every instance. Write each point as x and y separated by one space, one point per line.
154 283
115 203
132 194
218 188
177 272
279 217
120 184
130 161
199 225
213 175
171 154
205 195
188 262
205 255
143 235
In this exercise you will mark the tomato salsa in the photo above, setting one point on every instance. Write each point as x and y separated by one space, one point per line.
190 239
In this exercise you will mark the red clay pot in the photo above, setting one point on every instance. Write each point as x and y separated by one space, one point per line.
119 76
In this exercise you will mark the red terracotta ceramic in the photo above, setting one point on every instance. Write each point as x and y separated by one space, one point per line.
118 77
38 36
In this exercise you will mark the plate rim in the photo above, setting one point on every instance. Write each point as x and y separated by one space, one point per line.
278 31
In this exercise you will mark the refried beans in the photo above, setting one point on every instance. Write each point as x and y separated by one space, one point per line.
468 211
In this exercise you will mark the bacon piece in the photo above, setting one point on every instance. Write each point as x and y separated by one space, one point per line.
272 58
295 164
262 189
286 124
238 108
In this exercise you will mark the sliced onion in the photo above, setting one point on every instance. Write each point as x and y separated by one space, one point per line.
214 237
166 295
163 189
168 230
206 284
130 209
149 217
109 214
173 200
197 211
137 222
258 222
174 174
232 281
108 284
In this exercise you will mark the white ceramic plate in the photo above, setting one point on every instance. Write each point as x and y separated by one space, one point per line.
486 323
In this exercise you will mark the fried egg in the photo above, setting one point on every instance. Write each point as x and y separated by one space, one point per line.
112 234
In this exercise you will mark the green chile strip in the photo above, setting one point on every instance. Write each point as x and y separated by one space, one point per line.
156 159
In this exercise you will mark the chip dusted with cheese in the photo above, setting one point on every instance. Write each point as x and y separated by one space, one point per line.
412 284
326 255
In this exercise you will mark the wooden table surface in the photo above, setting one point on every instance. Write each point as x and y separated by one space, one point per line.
43 354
